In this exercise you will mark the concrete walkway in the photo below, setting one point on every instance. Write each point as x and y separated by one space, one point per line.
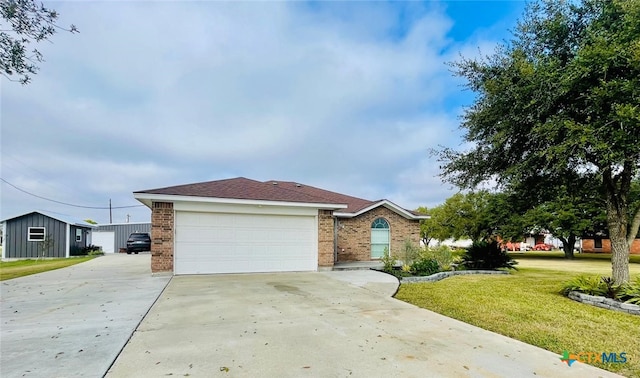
328 324
73 322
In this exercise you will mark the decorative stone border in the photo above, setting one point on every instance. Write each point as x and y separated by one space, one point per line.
443 275
604 302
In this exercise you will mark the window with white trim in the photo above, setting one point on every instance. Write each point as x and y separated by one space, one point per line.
36 234
380 238
78 234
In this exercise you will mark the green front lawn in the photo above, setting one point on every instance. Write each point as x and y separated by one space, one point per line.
19 268
555 255
527 306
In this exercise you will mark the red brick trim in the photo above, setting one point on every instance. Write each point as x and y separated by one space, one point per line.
162 224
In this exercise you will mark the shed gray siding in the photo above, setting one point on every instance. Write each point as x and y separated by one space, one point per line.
78 245
122 231
16 235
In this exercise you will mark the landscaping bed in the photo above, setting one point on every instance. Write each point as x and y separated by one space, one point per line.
442 275
417 265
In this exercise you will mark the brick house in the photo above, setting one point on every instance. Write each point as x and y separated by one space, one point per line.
241 225
596 244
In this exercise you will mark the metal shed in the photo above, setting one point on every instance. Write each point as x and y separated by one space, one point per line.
25 235
112 237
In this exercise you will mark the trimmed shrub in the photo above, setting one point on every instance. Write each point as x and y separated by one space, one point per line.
483 255
425 267
442 254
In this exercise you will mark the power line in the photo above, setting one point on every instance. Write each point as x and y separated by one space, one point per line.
65 203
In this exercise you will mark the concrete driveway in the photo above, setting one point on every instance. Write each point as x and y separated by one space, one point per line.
74 321
333 324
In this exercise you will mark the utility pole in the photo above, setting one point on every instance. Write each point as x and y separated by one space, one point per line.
110 215
128 216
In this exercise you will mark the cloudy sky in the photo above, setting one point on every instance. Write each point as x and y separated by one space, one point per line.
346 96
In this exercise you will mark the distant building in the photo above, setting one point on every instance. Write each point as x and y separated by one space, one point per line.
112 237
26 235
602 244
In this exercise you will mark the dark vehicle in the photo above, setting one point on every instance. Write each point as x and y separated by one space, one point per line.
138 242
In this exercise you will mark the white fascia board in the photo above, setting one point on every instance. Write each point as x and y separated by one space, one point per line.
120 224
389 205
148 198
90 226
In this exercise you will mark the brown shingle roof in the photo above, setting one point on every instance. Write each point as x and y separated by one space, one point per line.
238 188
273 190
353 203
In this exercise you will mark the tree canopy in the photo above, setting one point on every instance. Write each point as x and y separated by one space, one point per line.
23 22
560 100
479 216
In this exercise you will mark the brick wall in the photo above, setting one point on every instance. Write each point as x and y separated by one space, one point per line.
162 237
588 246
325 238
354 234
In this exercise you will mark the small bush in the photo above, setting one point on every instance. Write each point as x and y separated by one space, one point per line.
388 261
483 255
91 250
591 285
630 292
409 252
425 267
611 290
442 254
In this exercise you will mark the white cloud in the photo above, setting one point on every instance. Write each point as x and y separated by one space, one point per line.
345 96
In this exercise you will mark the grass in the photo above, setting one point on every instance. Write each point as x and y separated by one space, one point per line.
20 268
527 306
635 259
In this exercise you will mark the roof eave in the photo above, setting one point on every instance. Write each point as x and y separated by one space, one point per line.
52 216
389 205
148 198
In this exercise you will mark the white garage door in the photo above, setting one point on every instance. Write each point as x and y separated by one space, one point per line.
105 239
239 243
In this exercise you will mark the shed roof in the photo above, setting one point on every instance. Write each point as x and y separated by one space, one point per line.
62 218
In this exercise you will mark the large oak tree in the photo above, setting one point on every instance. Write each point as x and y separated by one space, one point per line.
560 99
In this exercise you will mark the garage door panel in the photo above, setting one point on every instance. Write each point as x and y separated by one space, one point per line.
104 239
235 243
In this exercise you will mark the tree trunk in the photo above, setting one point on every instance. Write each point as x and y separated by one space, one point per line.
567 246
617 223
619 245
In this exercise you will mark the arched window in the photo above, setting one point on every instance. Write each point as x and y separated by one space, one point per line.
379 238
